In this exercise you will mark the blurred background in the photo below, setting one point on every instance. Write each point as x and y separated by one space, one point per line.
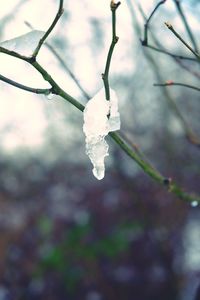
64 234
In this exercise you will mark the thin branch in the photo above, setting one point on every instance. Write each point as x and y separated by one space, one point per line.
56 89
70 73
153 173
177 56
105 75
15 54
24 87
47 33
171 28
63 65
171 83
146 25
147 168
190 135
192 138
186 24
159 47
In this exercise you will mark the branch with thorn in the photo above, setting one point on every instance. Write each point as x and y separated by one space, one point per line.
172 83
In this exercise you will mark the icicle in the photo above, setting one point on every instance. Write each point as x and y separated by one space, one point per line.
97 125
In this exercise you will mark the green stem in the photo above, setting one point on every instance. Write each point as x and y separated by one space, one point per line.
66 68
146 25
15 54
153 173
147 168
24 87
63 65
56 89
47 33
105 75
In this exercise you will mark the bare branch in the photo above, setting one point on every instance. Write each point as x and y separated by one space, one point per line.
171 28
24 87
146 25
47 33
15 54
192 138
171 186
63 65
105 75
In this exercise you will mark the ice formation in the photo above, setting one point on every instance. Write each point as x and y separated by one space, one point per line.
24 44
100 117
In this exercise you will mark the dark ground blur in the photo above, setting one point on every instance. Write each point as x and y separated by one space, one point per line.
66 236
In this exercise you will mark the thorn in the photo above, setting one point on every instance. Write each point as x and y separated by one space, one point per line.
169 82
143 42
167 181
116 39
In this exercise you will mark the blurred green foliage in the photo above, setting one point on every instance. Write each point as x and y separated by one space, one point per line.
75 257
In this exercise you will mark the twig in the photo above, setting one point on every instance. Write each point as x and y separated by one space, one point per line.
147 168
47 33
188 131
171 28
153 173
24 87
15 54
186 24
56 89
63 65
177 56
159 47
146 25
105 75
70 73
171 83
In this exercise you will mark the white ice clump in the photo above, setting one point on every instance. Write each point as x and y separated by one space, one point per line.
100 117
24 44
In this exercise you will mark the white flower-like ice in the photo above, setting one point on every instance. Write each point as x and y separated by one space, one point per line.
100 117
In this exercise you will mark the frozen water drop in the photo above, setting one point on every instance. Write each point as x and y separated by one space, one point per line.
50 96
194 203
